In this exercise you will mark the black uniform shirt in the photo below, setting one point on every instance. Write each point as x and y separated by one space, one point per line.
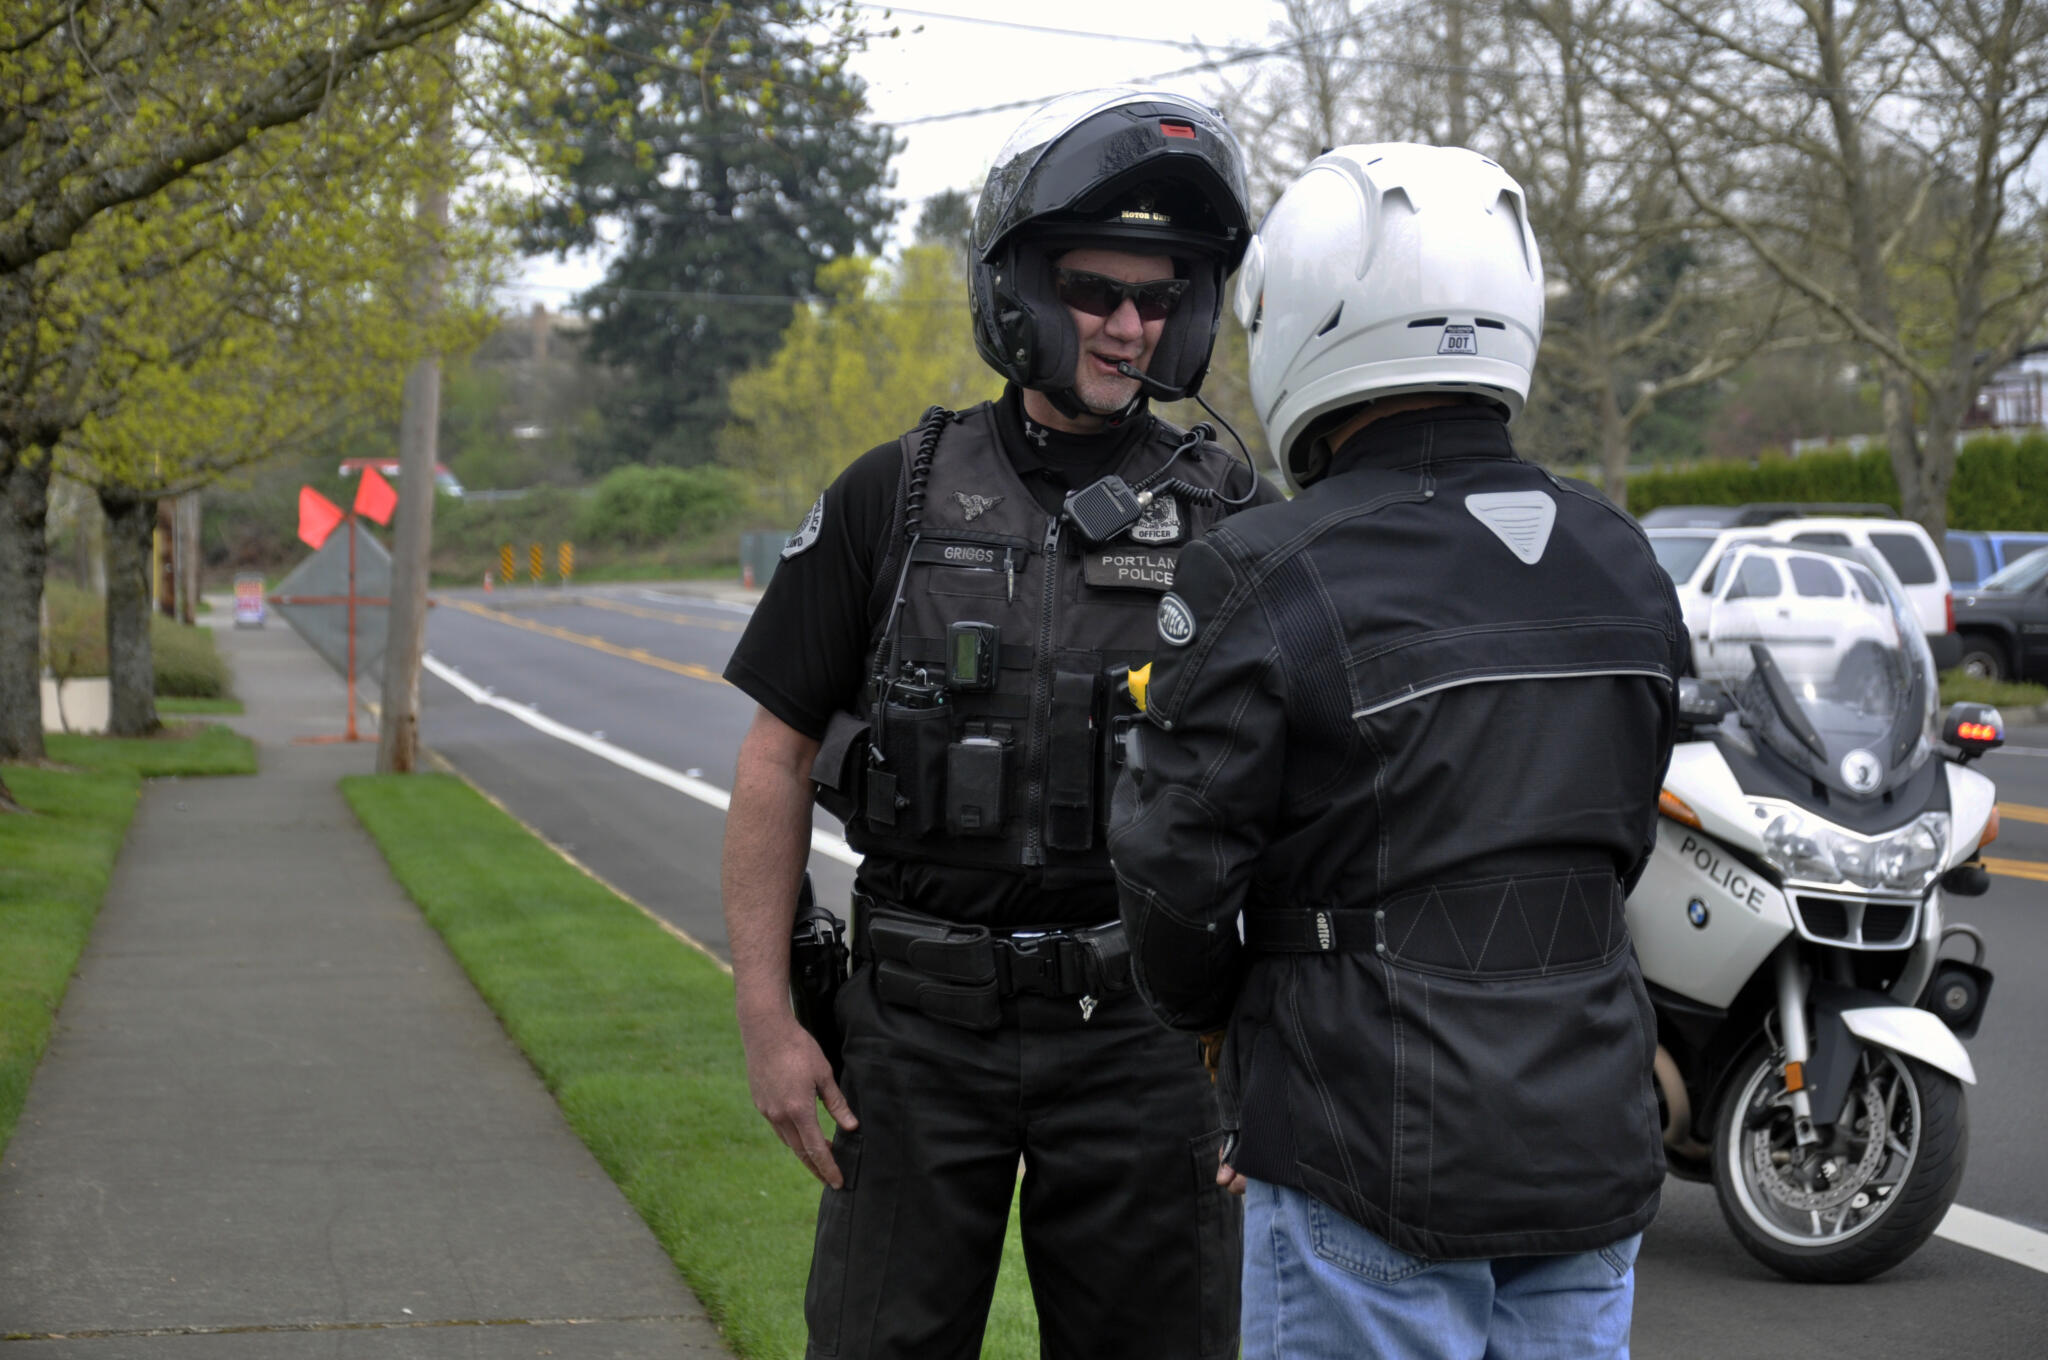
805 654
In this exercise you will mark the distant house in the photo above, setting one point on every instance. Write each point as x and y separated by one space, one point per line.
2016 398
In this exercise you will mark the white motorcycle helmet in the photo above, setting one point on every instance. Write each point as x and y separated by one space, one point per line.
1387 269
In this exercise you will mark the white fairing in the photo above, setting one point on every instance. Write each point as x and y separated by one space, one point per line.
1915 1033
1705 952
1970 799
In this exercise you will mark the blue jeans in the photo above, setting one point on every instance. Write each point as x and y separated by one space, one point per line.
1318 1285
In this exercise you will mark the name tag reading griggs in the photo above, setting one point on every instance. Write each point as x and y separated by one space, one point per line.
1130 568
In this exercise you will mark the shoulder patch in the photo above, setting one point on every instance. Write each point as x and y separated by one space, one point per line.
1520 519
1176 620
807 533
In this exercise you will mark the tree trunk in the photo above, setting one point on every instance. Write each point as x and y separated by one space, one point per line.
24 558
405 641
1613 449
1902 441
131 667
405 638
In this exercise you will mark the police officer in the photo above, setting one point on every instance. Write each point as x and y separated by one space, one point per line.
934 658
1413 725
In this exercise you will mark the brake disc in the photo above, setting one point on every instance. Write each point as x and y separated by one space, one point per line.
1846 1183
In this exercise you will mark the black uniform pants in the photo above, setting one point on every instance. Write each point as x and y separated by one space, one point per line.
1133 1250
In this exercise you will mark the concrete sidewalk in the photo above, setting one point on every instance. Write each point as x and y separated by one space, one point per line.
275 1119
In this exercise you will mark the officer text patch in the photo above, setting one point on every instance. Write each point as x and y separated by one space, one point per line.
1130 568
1176 620
808 534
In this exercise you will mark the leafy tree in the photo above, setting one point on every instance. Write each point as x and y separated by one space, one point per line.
720 141
121 130
854 371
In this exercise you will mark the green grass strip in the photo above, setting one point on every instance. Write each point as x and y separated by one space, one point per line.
55 861
168 705
633 1032
1957 688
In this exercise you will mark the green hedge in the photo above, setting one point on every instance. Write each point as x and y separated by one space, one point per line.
187 664
2000 482
644 505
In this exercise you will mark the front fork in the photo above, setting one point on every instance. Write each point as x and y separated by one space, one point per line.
1792 987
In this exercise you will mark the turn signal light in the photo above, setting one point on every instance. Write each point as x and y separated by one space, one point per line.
1976 731
1990 830
1672 806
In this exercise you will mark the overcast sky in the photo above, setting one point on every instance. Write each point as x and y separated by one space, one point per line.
942 65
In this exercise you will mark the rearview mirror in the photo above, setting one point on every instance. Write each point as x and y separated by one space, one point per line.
1701 705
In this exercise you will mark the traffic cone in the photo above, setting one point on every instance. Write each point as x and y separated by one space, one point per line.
747 575
487 583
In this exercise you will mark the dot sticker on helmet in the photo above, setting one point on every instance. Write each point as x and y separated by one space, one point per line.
1176 620
1459 340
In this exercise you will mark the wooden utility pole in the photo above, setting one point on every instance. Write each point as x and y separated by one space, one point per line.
398 728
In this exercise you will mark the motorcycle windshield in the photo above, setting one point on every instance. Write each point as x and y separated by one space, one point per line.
1824 660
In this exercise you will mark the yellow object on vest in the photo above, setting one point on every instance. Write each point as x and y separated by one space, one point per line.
1140 681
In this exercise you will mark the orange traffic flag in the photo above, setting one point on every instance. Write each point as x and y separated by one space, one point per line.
375 498
317 516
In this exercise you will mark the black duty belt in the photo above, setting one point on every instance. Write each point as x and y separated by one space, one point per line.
960 973
1314 930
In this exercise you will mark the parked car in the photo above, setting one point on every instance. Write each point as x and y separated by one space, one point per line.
2003 623
1693 557
1973 554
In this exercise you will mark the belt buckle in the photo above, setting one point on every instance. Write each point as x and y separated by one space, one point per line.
1034 963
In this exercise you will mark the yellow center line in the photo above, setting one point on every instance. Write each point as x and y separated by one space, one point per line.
2022 812
2018 868
596 644
663 616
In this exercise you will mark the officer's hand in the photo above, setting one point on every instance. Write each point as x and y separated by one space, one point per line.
788 1075
1228 1176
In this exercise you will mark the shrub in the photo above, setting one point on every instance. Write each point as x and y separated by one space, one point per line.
75 643
645 505
187 664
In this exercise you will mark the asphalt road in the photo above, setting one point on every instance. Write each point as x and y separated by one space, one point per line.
635 670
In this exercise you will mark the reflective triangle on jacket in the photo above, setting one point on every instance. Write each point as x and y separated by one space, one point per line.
1520 519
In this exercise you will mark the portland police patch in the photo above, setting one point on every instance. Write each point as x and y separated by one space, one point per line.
805 536
1176 620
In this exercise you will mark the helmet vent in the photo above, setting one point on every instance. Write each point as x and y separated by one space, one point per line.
1429 321
1331 324
1491 324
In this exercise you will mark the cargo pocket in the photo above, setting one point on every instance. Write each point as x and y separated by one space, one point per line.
832 1253
1219 1241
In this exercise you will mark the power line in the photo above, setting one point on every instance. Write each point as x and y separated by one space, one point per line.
1184 44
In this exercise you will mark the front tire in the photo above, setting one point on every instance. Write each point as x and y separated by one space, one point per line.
1854 1205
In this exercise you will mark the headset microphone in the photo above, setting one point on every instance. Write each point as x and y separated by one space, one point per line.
1151 386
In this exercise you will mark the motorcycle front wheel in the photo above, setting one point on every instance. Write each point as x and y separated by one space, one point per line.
1862 1199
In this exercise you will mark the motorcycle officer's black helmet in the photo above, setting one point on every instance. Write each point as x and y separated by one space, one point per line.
1130 169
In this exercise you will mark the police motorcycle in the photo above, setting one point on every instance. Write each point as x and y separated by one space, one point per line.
1791 921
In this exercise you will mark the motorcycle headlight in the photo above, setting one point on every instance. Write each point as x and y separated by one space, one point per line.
1801 845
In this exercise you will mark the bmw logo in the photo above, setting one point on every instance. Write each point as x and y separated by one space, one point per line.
1862 771
1696 912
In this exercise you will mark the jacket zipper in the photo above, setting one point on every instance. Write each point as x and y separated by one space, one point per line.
1041 701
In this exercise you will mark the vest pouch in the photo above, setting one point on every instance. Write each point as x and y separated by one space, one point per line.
906 793
977 775
1070 764
836 772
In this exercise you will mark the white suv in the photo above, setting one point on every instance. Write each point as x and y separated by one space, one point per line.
1693 557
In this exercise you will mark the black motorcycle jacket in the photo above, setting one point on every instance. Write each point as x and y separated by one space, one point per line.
1413 725
992 733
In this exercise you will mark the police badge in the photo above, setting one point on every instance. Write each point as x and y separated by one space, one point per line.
807 533
1161 521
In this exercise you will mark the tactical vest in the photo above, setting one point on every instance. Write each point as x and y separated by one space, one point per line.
994 728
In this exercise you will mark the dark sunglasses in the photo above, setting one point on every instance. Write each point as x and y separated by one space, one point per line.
1101 295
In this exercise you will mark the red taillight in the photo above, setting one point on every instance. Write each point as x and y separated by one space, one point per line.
1178 129
1948 603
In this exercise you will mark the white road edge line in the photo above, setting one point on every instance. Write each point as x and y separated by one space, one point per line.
1996 1237
822 842
2017 751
